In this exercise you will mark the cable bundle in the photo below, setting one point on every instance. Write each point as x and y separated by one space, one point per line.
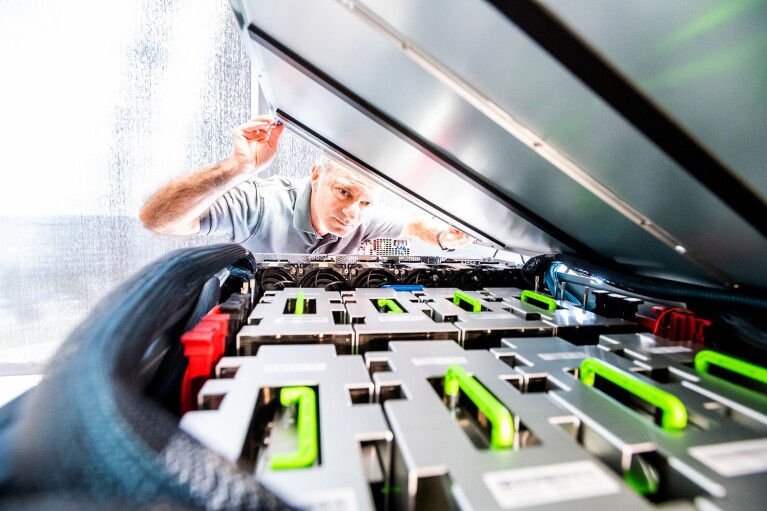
88 429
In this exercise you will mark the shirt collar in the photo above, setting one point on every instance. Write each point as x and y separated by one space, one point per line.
302 216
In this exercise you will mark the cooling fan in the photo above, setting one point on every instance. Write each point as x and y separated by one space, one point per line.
373 277
275 279
500 276
325 278
425 278
464 277
418 274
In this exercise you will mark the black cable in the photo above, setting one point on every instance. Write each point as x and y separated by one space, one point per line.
738 324
169 362
666 289
88 428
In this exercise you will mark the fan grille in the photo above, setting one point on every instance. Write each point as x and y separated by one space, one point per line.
373 278
275 279
325 278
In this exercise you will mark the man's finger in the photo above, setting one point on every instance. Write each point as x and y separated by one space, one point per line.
456 238
275 134
455 233
258 118
256 126
257 136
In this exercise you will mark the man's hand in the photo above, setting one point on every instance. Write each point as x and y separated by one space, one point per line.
452 238
434 231
255 144
176 207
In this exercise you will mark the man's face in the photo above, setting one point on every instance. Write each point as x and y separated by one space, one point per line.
340 200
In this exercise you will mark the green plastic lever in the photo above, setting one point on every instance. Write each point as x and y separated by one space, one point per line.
502 429
552 305
299 303
706 358
306 453
642 476
391 304
674 415
475 303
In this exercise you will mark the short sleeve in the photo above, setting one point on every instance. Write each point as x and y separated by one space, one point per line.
384 223
237 213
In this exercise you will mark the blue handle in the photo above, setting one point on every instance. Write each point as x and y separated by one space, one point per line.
403 287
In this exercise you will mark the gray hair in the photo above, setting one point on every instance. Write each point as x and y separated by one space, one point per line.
326 164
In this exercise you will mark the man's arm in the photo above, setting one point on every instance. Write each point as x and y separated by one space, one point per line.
435 232
177 207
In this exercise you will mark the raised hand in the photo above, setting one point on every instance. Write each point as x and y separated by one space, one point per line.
452 238
255 144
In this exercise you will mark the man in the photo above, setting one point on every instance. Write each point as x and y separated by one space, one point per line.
331 213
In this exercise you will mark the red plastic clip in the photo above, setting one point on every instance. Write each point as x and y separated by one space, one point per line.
682 325
204 345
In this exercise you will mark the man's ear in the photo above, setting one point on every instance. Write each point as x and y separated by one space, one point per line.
315 175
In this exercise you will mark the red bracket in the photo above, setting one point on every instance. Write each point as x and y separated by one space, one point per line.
204 346
681 325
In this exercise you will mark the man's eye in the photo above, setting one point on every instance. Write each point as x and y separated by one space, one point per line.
342 192
364 204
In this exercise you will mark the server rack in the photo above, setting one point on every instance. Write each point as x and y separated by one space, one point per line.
558 145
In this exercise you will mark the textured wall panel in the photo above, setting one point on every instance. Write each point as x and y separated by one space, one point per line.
96 116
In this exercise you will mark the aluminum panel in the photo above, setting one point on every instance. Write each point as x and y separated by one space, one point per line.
431 440
615 428
535 89
531 85
686 55
367 141
375 326
274 321
486 327
338 479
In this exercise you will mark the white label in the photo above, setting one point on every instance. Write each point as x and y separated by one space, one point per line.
301 318
565 355
295 368
668 349
534 486
733 458
494 315
438 361
393 318
331 500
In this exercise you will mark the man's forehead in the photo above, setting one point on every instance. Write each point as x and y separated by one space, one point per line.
351 179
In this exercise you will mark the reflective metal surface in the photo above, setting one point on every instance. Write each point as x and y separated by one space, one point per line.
385 101
431 443
702 61
347 430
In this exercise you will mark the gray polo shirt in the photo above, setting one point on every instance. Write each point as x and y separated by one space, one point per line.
273 216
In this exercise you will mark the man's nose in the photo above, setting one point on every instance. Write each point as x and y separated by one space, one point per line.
351 211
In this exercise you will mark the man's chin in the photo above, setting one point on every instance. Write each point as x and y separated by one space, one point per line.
342 231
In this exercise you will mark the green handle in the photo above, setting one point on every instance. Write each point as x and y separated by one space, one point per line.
306 453
502 431
674 413
539 297
476 304
300 303
706 358
388 302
